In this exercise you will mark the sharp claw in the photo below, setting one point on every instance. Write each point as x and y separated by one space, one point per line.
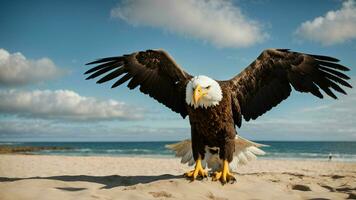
224 175
231 178
188 174
197 172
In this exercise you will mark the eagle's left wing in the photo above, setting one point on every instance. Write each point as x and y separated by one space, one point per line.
267 81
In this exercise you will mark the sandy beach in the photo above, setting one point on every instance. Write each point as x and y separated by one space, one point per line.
63 177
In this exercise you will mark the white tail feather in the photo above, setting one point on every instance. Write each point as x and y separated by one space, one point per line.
242 158
187 156
245 151
249 155
256 151
183 149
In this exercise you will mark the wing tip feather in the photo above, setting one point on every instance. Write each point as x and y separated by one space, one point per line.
324 58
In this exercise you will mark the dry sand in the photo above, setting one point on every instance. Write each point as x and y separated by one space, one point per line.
62 177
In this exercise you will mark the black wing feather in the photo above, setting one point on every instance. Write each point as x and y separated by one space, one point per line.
334 72
327 58
102 60
101 71
104 65
122 80
333 65
112 75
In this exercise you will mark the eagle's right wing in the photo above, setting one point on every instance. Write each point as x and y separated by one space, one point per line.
154 71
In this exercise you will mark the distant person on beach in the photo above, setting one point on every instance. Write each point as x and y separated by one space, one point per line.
330 156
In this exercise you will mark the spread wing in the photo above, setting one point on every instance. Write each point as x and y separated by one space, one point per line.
154 71
267 81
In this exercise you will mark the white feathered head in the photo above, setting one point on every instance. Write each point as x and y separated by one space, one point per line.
202 91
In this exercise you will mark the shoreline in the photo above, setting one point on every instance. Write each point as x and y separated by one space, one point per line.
161 156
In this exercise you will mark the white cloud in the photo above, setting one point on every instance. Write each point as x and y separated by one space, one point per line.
335 27
64 104
26 127
218 22
45 130
16 69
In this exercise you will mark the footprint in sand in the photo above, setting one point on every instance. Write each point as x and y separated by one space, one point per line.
351 196
346 190
160 194
213 197
70 189
301 187
331 189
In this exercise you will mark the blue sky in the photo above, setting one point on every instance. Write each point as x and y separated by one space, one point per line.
45 44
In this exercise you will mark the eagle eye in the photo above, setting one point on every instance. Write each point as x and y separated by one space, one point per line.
208 87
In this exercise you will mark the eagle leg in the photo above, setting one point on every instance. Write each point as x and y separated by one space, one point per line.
198 171
224 175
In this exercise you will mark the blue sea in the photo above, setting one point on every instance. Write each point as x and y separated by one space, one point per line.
341 151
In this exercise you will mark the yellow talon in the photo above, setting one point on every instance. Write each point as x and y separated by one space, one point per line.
224 176
198 171
216 176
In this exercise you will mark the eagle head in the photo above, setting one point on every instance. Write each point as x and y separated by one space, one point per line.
202 91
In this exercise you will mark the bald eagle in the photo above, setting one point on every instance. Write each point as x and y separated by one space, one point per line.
215 107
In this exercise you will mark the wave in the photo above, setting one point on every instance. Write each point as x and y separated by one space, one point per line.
10 143
123 151
106 151
313 156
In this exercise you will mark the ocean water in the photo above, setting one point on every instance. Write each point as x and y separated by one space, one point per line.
341 151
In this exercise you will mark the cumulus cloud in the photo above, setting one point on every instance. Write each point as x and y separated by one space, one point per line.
38 129
335 27
16 69
64 104
218 22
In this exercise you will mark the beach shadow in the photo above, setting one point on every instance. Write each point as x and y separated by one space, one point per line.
108 181
70 189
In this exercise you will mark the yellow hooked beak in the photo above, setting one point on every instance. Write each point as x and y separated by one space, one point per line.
198 93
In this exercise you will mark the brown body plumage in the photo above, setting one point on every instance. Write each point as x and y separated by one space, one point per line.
213 126
262 85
